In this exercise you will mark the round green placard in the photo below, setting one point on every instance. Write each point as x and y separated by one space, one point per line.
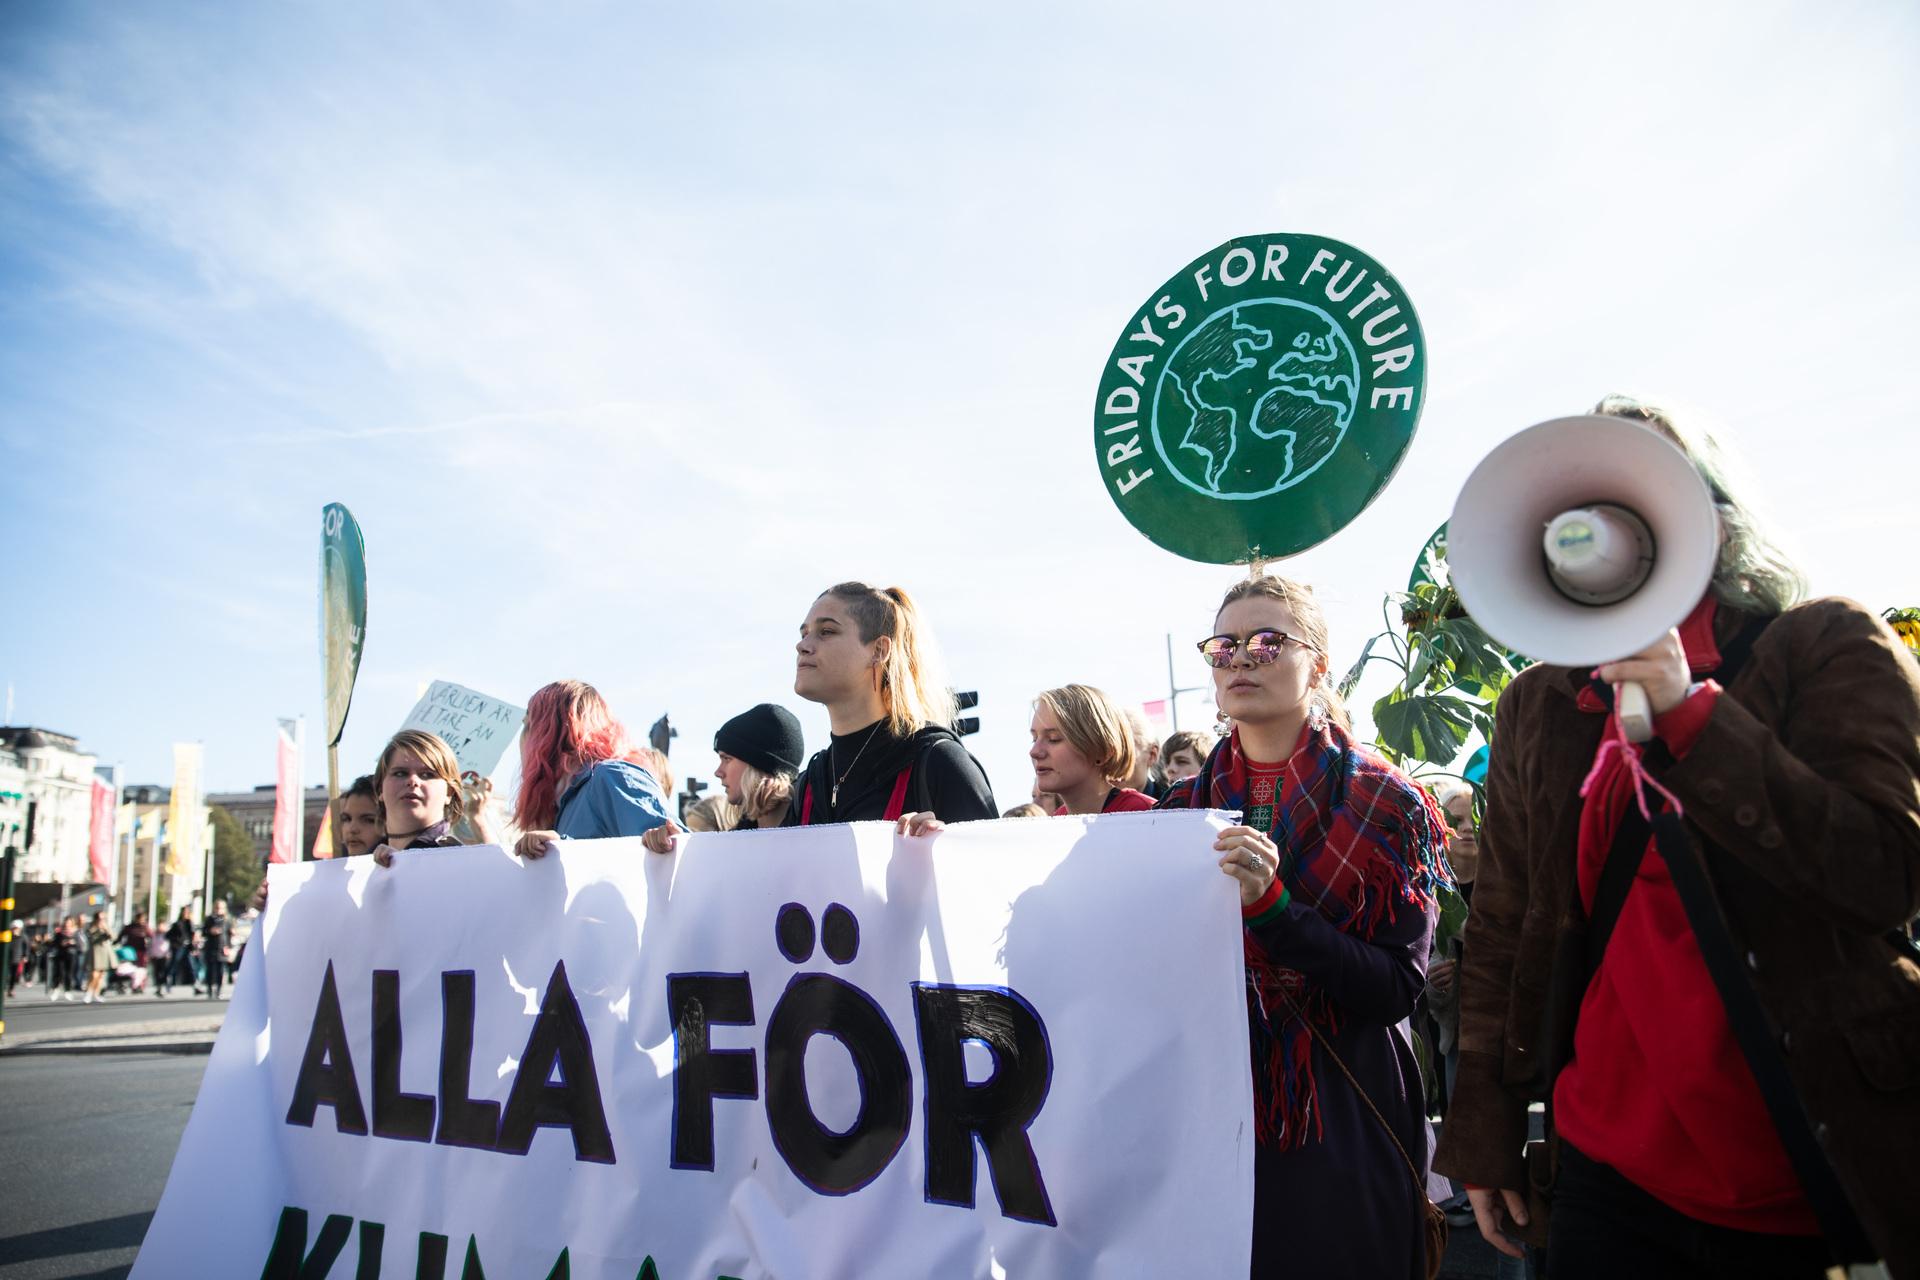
1260 399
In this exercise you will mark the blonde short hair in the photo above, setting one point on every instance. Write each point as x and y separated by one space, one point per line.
1096 726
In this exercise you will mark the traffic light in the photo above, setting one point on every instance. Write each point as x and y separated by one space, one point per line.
660 737
966 701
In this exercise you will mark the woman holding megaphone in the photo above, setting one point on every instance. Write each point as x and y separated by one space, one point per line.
1684 947
1337 860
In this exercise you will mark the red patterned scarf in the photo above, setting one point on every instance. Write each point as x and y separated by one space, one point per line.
1358 840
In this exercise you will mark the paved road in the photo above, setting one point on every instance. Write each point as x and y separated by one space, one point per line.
29 1013
86 1142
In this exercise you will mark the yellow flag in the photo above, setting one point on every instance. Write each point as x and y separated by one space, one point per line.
323 838
185 813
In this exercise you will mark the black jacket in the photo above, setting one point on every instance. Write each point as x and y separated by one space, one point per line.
946 780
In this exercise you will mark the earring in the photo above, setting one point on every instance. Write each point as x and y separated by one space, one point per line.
1221 720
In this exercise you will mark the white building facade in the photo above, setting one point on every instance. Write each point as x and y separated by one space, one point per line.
48 772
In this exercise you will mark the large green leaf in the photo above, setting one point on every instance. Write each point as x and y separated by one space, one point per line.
1427 726
1453 918
1352 678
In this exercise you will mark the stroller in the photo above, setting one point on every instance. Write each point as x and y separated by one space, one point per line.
128 975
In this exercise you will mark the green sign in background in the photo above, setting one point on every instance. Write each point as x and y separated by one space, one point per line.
1261 399
343 611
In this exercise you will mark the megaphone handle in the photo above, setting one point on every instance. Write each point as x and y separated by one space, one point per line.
1635 712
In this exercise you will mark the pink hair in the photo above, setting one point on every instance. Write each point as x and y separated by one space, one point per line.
569 727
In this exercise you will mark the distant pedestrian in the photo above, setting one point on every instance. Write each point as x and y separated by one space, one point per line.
100 958
65 978
159 961
213 948
137 936
180 940
19 955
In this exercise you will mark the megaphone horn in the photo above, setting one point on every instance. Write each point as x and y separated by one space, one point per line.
1581 541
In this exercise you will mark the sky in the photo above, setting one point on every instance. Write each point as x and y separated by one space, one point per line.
623 329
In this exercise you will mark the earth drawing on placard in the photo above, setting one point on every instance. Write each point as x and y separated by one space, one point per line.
1255 399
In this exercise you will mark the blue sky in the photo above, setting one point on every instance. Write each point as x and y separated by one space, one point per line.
623 329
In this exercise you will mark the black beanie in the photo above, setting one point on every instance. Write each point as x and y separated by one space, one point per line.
766 738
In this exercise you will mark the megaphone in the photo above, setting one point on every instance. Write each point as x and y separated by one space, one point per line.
1581 541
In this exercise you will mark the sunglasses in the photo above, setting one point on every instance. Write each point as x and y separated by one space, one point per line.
1262 647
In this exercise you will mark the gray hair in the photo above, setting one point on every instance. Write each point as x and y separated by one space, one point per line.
1753 574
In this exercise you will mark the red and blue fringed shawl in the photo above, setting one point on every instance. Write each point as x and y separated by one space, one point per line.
1358 841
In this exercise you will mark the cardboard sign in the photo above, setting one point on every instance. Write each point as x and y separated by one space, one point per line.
1016 1049
477 727
1260 399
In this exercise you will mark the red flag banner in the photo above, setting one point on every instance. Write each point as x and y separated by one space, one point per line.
100 841
286 803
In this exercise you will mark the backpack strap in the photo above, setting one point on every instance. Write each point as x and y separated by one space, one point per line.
806 804
897 804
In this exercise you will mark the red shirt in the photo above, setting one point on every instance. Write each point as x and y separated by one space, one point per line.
1658 1087
1119 800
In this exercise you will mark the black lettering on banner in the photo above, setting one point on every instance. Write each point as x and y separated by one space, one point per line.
793 931
326 1072
839 933
696 1003
430 1262
999 1109
289 1258
463 1121
559 1036
373 1239
562 1269
829 1162
395 1114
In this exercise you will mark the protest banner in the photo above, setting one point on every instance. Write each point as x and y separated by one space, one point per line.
1017 1049
476 727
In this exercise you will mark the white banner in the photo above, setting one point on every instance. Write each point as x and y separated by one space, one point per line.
477 727
1017 1049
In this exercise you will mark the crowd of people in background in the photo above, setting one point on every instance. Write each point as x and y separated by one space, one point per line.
1665 1161
83 960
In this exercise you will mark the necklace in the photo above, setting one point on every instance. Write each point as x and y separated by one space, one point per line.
833 796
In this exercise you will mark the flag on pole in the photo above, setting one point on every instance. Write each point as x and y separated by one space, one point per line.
323 838
100 836
184 809
286 800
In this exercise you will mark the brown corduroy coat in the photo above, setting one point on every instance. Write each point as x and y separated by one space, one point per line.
1807 775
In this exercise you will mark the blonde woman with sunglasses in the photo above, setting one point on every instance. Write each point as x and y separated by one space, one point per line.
1337 857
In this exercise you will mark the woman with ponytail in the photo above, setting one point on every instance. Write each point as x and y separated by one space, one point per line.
1337 862
867 655
581 778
